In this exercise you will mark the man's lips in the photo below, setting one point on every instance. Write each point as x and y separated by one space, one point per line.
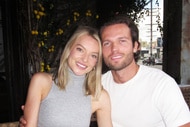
115 57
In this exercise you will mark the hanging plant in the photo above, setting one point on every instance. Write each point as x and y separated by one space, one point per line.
52 23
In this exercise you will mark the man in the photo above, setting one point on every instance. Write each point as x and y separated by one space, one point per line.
140 96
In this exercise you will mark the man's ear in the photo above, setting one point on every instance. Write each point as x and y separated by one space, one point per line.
136 47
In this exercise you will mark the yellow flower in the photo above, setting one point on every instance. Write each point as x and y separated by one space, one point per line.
49 50
42 64
38 16
42 43
75 18
36 32
88 13
40 5
68 22
39 45
52 48
35 12
45 33
75 13
42 8
48 67
42 69
32 32
41 13
97 16
60 31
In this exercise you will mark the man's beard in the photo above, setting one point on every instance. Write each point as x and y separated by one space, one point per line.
118 67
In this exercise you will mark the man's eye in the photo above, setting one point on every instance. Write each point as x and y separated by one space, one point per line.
106 43
122 41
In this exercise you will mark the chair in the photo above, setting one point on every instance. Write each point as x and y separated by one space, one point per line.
10 124
185 89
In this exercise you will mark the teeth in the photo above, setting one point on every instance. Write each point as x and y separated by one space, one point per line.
116 57
81 65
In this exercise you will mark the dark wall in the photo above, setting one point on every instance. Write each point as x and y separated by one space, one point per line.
172 38
16 76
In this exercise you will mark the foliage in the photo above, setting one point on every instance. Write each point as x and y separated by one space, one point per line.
147 11
53 21
132 8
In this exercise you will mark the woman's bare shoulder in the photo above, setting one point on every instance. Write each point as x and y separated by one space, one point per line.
104 95
42 76
104 100
41 82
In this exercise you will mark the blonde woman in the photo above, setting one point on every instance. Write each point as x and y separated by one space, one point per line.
68 97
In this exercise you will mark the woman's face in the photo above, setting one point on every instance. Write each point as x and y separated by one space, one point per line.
84 55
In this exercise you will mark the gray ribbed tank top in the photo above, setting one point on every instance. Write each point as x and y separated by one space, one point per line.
66 108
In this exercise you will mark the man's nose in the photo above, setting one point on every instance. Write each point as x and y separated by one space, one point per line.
114 47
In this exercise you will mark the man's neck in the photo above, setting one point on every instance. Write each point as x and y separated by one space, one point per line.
124 75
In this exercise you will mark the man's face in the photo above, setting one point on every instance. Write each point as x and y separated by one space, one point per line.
117 46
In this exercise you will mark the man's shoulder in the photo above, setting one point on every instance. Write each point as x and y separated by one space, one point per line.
106 74
107 78
150 70
154 73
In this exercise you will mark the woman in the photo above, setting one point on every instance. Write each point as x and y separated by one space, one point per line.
68 97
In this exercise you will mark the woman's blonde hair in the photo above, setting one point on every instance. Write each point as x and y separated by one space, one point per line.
93 78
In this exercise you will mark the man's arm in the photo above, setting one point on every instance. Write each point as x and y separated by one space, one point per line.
22 121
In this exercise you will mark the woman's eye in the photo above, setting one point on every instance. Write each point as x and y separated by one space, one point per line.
79 49
94 56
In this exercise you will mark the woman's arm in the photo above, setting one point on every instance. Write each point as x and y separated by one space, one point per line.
186 125
36 92
103 113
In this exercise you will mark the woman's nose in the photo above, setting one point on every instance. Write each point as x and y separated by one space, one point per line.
85 57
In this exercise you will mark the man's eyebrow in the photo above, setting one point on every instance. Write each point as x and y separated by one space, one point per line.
105 40
123 37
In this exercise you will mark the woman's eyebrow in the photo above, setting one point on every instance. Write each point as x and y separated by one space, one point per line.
85 48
